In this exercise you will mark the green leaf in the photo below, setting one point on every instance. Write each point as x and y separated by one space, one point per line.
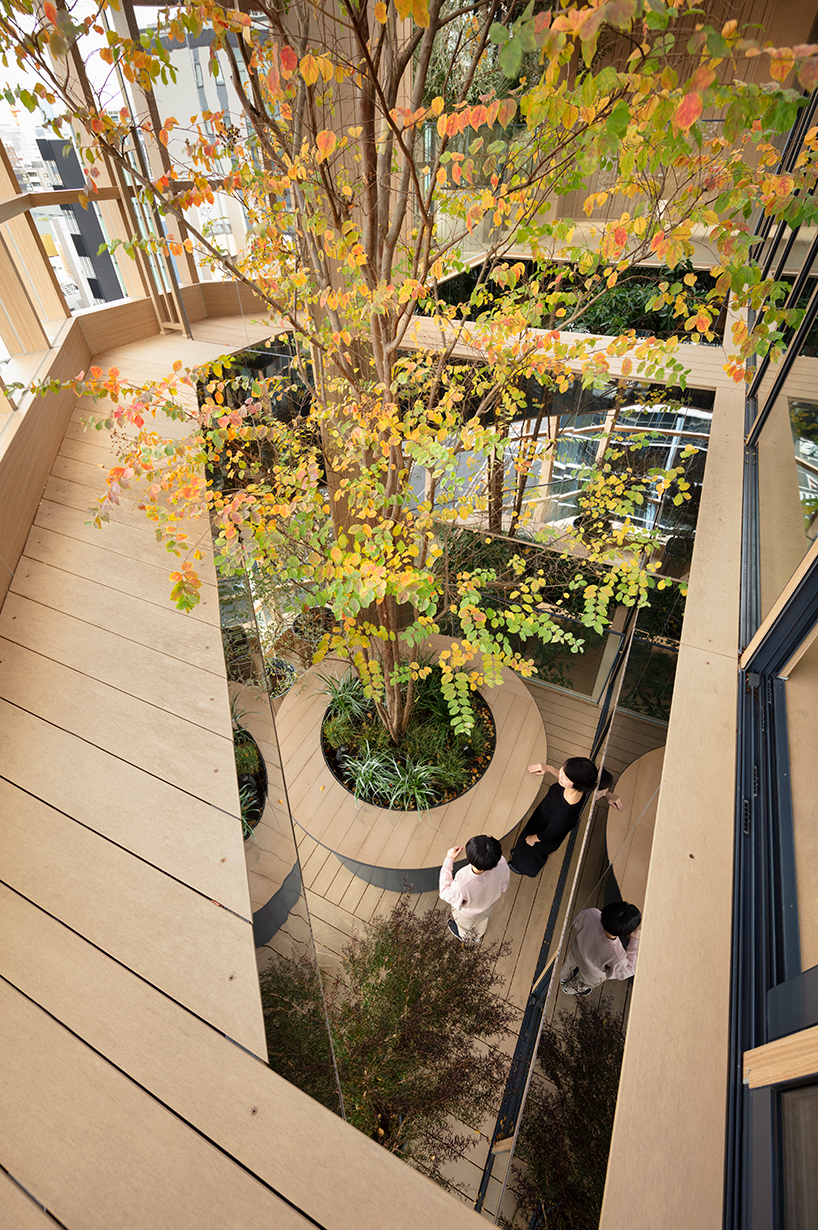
498 34
511 57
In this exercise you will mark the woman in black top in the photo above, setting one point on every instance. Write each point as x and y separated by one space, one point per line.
555 816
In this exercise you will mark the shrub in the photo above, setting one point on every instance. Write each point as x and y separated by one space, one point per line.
565 1135
411 1012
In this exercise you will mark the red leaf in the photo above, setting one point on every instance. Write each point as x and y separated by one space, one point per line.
289 60
702 78
688 111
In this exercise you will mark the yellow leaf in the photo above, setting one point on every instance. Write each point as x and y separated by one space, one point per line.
380 12
437 106
309 69
420 12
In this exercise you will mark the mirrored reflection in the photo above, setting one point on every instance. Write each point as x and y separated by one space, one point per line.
566 1123
260 675
799 1149
801 690
788 480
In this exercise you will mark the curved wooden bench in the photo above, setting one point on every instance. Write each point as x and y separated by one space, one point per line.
630 832
387 848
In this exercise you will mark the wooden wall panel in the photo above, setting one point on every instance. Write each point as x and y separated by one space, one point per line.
230 298
27 453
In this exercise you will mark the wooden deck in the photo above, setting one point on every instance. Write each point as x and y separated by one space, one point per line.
340 903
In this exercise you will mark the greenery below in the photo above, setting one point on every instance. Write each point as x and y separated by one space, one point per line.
411 1012
431 764
565 1135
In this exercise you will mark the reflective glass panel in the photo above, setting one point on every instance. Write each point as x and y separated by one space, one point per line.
788 480
802 704
799 1132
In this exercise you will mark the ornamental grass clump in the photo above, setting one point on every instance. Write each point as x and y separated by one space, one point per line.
410 1013
430 764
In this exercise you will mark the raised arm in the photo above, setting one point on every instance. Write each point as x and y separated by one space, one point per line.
542 769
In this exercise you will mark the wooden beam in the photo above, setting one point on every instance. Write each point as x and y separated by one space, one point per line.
786 1059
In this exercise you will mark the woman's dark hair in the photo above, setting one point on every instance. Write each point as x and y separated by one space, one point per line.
581 772
620 919
605 779
483 852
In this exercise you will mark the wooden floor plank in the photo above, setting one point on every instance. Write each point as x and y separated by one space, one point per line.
71 1095
167 828
121 904
121 662
156 741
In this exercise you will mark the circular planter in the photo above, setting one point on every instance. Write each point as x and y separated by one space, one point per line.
251 772
280 675
335 759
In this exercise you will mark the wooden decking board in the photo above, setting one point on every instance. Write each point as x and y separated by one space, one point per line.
169 683
90 478
19 1210
70 1095
158 742
120 903
60 490
140 621
88 450
82 781
127 576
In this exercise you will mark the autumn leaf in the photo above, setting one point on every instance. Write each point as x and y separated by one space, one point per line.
688 111
51 12
702 78
781 63
326 142
380 12
808 74
309 69
289 61
420 12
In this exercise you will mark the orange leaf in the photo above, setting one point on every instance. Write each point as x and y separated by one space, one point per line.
326 142
380 12
688 111
51 12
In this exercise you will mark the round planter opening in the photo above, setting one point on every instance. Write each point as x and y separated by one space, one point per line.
416 775
251 773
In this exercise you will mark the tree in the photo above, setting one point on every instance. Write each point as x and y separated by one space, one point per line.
363 196
410 1013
